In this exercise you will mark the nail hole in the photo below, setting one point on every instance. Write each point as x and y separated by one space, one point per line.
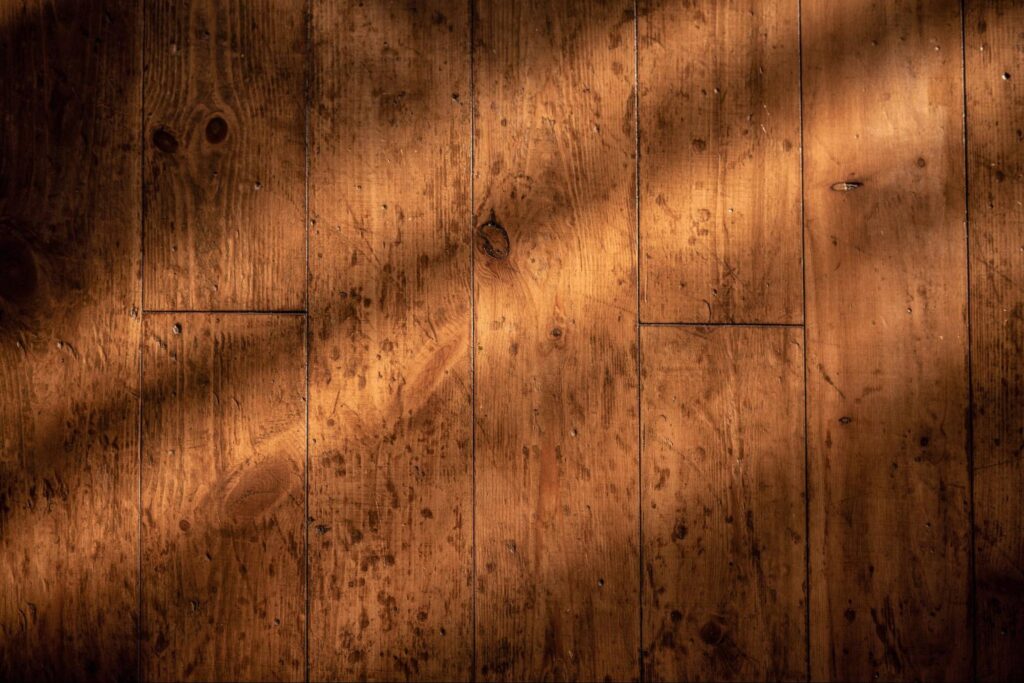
847 186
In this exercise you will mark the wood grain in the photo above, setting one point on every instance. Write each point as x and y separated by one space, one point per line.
69 340
474 230
723 504
720 173
556 352
995 134
887 382
390 420
225 154
223 497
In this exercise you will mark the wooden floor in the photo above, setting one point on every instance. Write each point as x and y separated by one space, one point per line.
537 340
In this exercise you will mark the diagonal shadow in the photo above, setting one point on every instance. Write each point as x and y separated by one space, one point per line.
50 268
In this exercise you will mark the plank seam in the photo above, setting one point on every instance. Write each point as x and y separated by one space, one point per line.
972 590
719 324
803 284
142 313
224 311
639 360
308 9
472 324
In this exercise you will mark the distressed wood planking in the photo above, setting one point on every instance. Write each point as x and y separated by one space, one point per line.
69 330
223 457
224 131
723 504
886 325
390 420
720 226
556 357
69 340
995 143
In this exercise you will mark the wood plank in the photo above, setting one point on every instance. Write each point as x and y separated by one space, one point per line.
995 135
390 420
723 498
720 173
223 497
69 339
225 154
886 316
556 351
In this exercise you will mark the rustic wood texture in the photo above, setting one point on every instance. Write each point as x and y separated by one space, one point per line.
556 353
723 504
886 325
223 458
995 144
69 340
225 154
720 229
447 226
390 418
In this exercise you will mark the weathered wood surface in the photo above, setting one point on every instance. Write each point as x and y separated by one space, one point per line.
556 351
995 145
887 341
223 457
69 339
225 103
479 244
390 420
720 229
723 504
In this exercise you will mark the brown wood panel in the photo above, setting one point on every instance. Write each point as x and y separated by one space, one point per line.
720 230
390 420
723 504
557 502
995 144
69 339
225 154
223 498
886 316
